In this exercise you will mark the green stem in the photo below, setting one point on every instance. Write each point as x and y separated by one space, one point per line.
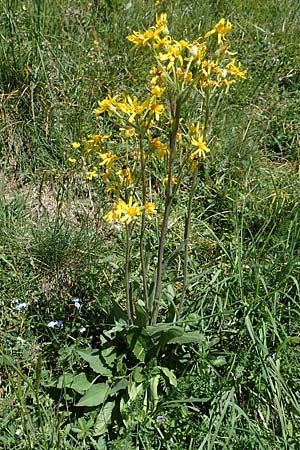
187 230
142 234
168 202
187 227
129 302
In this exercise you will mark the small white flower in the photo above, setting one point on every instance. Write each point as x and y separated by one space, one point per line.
18 431
55 324
118 227
82 330
20 306
76 302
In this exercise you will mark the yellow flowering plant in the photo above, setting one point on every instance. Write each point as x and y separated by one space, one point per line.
143 165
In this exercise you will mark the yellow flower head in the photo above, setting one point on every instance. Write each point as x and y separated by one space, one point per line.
108 159
143 39
161 20
147 38
158 77
125 176
194 128
174 53
162 42
133 107
174 180
92 174
161 148
197 51
156 110
127 132
157 91
184 75
227 84
201 151
234 70
149 207
124 212
97 138
221 28
109 104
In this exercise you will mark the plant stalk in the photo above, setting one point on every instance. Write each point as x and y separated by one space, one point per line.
129 301
143 225
187 227
167 209
187 231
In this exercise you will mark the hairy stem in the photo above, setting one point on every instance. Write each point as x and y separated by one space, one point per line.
188 217
187 230
129 301
167 209
142 234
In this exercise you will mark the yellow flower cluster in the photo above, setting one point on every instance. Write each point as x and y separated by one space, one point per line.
190 59
121 162
161 148
221 28
193 135
127 212
144 39
117 177
138 113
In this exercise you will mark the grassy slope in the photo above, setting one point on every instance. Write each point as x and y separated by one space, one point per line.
57 59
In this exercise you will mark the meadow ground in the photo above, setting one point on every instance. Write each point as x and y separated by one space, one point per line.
222 373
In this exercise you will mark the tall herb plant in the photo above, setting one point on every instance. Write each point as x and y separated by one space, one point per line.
152 159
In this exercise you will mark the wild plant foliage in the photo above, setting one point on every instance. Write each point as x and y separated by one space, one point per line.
154 150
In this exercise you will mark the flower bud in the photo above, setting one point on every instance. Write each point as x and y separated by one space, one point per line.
194 51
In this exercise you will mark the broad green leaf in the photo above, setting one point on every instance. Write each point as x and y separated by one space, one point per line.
154 388
103 419
137 375
117 312
134 340
170 375
65 380
142 317
219 361
134 390
139 351
82 427
170 334
94 362
95 396
121 385
101 444
161 328
109 355
80 383
191 337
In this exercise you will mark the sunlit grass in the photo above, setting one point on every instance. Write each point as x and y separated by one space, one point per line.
237 362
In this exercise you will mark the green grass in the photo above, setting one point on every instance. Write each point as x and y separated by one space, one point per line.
238 383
